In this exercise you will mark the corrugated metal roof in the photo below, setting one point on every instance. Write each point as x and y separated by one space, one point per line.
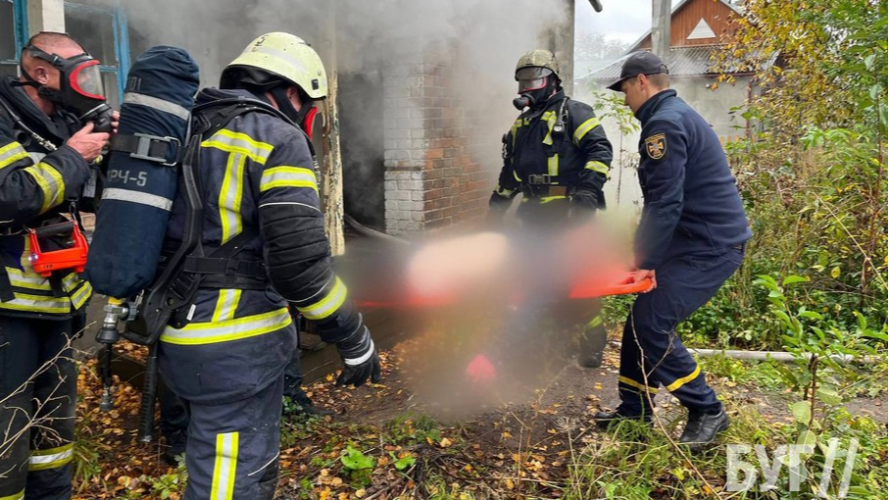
682 61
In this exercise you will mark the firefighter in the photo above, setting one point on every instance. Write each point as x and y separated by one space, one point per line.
690 239
259 189
556 154
46 159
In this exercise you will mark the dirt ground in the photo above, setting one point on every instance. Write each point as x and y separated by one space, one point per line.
494 445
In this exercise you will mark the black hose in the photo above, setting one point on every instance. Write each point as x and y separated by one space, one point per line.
373 233
149 396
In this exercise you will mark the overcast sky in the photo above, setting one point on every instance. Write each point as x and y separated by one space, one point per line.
625 20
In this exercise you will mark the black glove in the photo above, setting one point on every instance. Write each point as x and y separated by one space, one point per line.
497 207
360 359
586 199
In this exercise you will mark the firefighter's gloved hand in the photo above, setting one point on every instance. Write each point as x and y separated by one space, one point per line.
360 359
585 199
497 207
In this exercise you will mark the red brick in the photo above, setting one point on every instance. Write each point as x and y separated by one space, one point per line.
438 224
477 185
434 215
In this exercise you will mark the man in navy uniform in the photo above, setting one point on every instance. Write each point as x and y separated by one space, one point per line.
690 240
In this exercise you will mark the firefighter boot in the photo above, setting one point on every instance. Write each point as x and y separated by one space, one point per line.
604 419
300 405
702 427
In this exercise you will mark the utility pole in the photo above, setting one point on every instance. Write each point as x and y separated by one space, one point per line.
660 28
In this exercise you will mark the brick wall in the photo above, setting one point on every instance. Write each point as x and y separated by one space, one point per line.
434 155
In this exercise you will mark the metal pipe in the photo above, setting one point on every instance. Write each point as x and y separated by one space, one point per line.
784 357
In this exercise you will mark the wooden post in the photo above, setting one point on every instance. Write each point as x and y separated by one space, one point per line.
333 163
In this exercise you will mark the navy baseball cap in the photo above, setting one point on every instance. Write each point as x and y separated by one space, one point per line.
640 63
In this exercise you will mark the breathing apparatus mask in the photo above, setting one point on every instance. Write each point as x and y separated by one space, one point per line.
80 87
258 82
305 117
535 87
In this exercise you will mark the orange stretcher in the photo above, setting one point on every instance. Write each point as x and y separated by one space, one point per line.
588 289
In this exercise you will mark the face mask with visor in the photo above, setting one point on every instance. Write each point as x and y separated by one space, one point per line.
533 86
80 87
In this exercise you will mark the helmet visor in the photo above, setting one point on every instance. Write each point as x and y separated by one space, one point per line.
86 79
532 78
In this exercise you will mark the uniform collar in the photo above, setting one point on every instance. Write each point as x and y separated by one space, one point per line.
211 94
645 112
57 128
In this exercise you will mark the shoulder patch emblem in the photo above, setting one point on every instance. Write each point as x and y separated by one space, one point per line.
656 146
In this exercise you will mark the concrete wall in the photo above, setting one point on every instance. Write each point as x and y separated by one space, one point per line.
45 15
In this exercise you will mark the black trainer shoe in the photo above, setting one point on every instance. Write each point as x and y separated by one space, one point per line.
175 448
301 406
702 428
604 419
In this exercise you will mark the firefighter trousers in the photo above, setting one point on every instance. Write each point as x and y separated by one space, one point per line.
38 398
232 447
174 417
651 353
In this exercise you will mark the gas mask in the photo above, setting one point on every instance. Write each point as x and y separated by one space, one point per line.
535 86
81 91
305 117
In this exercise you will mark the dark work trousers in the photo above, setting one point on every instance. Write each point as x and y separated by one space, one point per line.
547 223
38 387
174 417
684 284
293 376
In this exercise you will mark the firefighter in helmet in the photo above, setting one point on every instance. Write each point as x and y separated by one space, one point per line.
557 156
260 195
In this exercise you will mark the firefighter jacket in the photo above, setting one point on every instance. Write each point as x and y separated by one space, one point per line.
691 198
558 153
256 175
35 184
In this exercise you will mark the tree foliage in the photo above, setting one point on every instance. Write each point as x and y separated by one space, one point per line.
812 170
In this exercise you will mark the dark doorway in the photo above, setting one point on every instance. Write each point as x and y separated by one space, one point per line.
361 139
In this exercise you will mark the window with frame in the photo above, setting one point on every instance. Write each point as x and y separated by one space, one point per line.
13 35
103 33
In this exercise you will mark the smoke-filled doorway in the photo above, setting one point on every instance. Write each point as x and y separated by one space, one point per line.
361 127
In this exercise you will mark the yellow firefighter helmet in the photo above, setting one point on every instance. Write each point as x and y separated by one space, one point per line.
278 56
